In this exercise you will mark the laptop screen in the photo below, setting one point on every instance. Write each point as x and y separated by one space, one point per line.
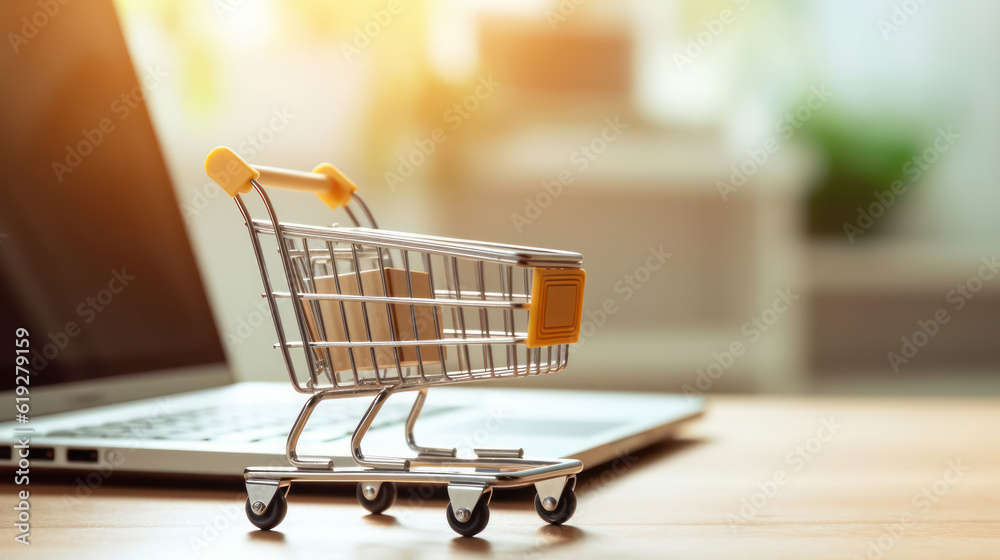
94 258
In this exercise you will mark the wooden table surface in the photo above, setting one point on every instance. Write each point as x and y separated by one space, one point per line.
758 477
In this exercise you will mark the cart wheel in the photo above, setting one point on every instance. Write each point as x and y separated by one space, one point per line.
564 510
272 516
386 497
476 522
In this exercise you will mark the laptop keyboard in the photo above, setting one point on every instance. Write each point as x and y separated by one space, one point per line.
239 423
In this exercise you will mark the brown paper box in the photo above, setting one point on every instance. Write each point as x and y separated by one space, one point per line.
382 323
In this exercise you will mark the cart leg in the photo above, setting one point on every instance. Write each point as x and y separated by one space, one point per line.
260 493
411 441
293 437
550 491
468 509
555 500
266 505
362 429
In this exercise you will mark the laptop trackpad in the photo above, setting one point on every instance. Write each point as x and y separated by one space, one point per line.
546 427
541 437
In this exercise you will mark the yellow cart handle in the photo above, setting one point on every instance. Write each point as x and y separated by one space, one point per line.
233 174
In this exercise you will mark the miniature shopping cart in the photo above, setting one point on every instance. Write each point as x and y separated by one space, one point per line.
381 312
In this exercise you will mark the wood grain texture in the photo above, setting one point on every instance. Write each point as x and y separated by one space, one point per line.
840 498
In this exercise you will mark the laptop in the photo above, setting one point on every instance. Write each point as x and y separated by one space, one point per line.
120 361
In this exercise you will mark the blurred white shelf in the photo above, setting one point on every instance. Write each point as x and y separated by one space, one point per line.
676 348
952 383
889 265
622 360
681 162
658 167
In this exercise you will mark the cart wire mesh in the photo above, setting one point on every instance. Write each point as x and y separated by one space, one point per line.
377 308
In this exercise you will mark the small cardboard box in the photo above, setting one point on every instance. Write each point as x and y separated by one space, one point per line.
383 323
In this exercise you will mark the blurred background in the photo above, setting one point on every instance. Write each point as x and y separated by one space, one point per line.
771 196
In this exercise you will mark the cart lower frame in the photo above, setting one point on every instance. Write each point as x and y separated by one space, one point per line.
470 481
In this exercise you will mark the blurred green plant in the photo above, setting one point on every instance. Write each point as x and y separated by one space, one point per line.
862 155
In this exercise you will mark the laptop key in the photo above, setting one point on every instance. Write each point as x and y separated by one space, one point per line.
233 423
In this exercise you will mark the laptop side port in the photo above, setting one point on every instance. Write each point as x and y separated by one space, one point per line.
81 455
42 453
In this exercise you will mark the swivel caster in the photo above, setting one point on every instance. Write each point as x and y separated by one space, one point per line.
384 496
563 510
469 523
268 518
